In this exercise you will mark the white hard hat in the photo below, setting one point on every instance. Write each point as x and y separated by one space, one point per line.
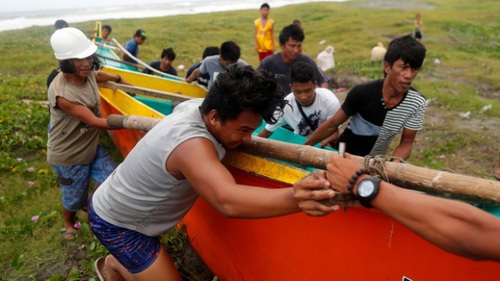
71 43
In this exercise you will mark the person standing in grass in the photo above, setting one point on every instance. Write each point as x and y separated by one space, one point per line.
179 160
73 147
380 109
264 33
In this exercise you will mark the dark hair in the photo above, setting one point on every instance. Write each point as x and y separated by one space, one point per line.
242 88
141 33
211 51
68 67
60 24
265 5
408 49
108 27
230 51
297 22
169 53
301 72
291 31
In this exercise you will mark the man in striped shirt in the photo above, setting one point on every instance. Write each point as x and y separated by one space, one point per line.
380 109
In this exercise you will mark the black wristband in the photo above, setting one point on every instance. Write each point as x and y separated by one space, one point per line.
119 79
354 178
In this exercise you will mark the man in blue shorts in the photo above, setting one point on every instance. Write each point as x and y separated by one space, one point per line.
380 109
179 160
73 147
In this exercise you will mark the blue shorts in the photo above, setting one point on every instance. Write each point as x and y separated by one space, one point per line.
75 180
134 250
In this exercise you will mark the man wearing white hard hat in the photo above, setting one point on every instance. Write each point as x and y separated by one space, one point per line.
73 147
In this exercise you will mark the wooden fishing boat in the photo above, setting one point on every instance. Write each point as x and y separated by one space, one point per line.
360 244
113 64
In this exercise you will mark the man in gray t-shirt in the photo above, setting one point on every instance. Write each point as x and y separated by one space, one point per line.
280 64
213 65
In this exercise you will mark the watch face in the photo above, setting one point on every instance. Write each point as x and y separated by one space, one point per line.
365 188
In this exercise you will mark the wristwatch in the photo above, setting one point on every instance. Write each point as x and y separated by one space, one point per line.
367 190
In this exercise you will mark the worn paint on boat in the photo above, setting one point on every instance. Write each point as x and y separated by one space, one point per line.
359 244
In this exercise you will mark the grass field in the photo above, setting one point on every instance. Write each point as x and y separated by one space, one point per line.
462 34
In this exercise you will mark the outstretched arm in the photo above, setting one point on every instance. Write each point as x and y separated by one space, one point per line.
455 226
264 133
403 151
328 128
196 160
83 113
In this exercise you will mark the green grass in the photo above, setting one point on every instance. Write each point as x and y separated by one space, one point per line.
462 34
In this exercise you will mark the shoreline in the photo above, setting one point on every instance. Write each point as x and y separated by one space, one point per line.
27 19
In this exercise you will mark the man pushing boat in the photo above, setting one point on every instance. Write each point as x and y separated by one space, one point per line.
179 160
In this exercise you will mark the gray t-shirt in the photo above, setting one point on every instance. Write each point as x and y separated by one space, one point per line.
212 67
281 71
141 194
72 142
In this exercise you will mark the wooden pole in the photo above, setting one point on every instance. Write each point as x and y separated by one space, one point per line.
431 181
145 92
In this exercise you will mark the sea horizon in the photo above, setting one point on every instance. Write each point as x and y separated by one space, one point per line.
14 20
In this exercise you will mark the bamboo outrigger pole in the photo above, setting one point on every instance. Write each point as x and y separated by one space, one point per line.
431 181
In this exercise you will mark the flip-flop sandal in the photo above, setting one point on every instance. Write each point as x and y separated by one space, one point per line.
100 269
69 235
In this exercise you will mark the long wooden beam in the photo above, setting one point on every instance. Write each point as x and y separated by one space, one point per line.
431 181
146 92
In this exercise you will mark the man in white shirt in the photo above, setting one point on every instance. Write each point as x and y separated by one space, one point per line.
308 106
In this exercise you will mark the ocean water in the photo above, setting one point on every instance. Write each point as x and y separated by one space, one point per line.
19 18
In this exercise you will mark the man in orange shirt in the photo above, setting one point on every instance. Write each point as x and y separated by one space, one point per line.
264 33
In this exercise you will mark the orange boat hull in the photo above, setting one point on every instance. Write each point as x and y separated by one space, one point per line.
359 244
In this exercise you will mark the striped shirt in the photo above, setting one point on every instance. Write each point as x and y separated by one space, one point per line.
373 127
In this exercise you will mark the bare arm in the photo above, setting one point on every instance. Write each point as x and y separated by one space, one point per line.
273 46
265 133
403 151
83 113
102 76
196 160
195 74
455 226
256 44
328 128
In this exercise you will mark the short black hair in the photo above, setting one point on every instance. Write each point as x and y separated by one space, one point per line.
141 33
60 24
301 72
211 51
407 48
169 53
242 88
230 51
265 5
67 66
108 27
291 31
